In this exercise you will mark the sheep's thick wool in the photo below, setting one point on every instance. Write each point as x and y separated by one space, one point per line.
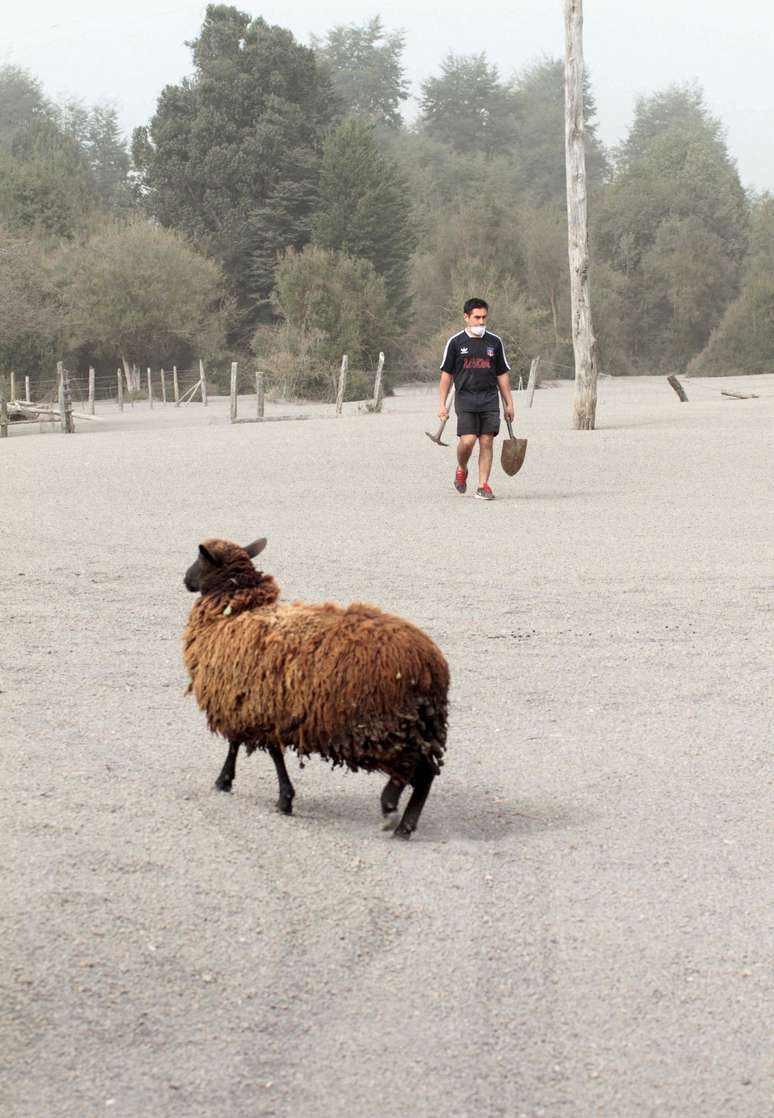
358 686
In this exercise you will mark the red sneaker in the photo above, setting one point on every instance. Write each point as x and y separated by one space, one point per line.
484 493
461 480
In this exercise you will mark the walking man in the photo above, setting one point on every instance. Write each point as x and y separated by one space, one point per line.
474 361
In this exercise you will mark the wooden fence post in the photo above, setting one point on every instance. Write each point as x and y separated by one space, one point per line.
150 389
342 384
27 390
13 385
532 382
233 391
65 399
175 386
91 390
377 404
163 388
203 381
678 388
259 395
120 390
3 410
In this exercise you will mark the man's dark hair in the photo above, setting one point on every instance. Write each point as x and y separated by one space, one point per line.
473 305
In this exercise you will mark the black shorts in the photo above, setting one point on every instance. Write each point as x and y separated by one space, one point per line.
478 422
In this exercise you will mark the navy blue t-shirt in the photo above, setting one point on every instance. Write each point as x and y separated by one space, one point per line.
475 364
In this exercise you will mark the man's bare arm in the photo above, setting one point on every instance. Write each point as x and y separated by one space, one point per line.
504 384
444 387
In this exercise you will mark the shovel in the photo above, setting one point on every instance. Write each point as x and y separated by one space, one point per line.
513 452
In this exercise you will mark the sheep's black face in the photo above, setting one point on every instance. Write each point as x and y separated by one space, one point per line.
222 566
192 578
206 562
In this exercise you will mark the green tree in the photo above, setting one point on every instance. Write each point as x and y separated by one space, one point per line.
365 64
139 292
338 300
743 341
363 210
674 224
46 183
231 146
468 107
30 311
98 134
544 234
538 141
21 102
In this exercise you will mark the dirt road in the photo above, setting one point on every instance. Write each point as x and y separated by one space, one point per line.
579 926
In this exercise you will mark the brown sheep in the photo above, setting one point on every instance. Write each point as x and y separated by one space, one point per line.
360 687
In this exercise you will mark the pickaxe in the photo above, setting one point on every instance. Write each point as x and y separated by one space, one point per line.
436 437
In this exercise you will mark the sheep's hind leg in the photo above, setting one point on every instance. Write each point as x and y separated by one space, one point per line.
422 781
227 773
286 790
389 801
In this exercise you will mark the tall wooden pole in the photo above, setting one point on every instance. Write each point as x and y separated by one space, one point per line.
584 343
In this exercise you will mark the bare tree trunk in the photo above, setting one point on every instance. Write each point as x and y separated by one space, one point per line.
583 341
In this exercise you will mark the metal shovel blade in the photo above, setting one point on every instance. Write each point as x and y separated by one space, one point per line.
513 452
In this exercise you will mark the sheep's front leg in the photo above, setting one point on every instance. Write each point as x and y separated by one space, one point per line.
286 790
227 773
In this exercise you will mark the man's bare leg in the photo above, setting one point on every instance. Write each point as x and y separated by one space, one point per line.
485 452
465 445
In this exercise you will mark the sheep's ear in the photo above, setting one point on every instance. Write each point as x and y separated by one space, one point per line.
256 547
209 556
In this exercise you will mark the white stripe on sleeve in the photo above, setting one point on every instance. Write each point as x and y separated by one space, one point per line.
446 350
502 347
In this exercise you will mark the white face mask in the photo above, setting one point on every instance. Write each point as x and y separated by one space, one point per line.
479 331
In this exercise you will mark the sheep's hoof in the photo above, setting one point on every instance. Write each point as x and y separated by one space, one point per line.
223 785
285 807
402 832
389 820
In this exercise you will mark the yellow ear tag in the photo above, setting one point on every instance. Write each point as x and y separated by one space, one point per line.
227 611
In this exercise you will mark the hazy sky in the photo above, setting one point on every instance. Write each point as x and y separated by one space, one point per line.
126 53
